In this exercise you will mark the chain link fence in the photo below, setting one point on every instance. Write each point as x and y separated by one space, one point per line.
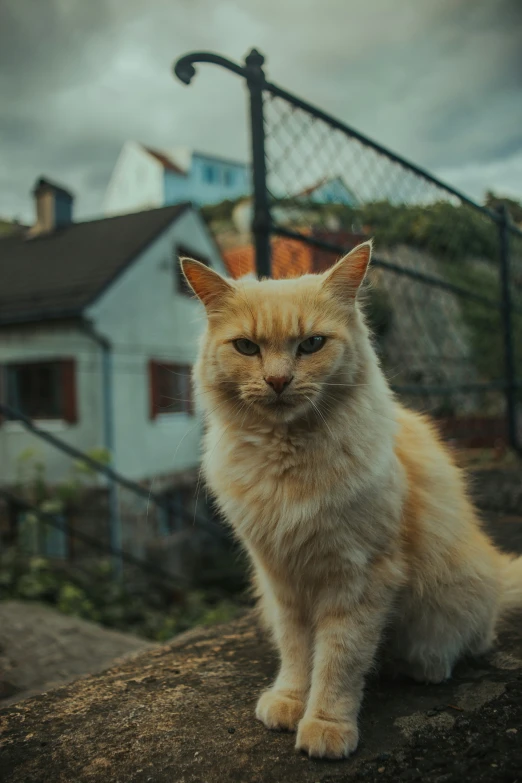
444 295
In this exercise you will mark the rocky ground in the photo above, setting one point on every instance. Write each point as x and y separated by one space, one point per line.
183 713
41 648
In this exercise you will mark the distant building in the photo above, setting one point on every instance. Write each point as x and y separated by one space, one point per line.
145 178
333 190
300 207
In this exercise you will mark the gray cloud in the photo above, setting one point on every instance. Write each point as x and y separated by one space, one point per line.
440 83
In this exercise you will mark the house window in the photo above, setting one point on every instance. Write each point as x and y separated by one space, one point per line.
42 390
229 177
209 173
182 251
170 388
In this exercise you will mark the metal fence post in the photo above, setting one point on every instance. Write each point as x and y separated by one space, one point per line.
507 328
261 221
116 537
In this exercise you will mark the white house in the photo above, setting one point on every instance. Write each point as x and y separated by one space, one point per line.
144 178
98 334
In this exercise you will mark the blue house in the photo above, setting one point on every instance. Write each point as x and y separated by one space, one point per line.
145 178
332 190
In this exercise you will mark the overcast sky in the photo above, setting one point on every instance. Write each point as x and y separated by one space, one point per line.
439 81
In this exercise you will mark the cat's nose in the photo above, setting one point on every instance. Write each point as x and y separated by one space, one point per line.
279 382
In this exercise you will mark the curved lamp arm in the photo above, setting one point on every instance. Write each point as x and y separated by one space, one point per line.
185 70
254 76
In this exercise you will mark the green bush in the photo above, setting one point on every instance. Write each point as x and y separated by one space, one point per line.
138 601
135 603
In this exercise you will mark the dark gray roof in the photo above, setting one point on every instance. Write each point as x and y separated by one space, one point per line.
58 275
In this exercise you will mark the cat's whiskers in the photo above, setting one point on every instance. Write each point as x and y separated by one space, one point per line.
151 488
360 385
347 385
314 406
370 410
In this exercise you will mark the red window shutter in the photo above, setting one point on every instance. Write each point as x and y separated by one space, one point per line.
153 389
70 411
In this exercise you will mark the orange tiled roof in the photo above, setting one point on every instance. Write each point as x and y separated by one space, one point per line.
166 162
290 258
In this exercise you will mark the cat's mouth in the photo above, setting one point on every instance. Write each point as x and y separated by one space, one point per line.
281 402
289 402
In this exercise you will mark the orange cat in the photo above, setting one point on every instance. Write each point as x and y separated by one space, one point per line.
353 513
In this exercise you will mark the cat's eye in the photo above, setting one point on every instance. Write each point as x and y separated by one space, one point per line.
246 347
312 344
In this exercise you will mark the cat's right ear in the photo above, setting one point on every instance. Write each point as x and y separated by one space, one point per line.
209 287
347 275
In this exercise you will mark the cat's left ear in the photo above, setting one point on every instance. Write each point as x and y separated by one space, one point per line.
347 276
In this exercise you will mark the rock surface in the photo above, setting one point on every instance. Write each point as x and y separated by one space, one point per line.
41 648
183 713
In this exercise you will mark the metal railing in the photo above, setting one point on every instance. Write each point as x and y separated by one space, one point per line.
445 296
154 510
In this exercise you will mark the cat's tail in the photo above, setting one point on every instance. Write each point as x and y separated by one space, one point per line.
512 583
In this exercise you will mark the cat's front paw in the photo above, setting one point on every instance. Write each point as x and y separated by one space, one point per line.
327 739
279 710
